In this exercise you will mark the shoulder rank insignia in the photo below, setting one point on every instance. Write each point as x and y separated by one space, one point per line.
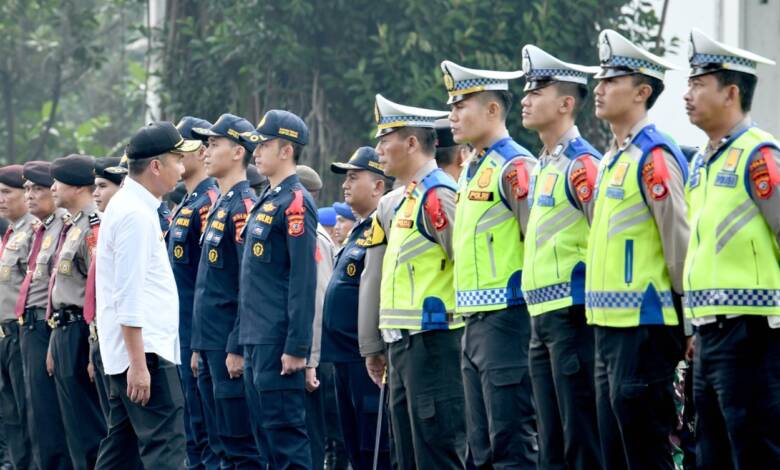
268 207
94 219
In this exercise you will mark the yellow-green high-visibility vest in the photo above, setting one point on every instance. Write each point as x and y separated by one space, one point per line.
487 240
417 290
627 281
733 260
556 237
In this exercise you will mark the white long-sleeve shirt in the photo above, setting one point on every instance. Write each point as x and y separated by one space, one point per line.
134 281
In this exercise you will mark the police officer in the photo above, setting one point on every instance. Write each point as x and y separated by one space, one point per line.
449 155
188 224
258 182
108 179
561 349
631 295
345 220
357 396
278 283
14 251
417 299
732 273
43 410
68 357
215 314
488 238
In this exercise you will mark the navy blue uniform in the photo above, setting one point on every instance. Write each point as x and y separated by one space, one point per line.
215 327
358 396
278 282
187 224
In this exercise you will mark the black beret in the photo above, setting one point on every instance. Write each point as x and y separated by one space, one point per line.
74 170
38 172
444 137
11 175
109 169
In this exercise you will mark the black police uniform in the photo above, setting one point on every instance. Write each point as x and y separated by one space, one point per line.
188 222
358 396
215 326
278 282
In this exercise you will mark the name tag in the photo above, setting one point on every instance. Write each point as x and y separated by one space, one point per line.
405 223
615 193
182 222
546 201
218 226
725 179
265 218
480 196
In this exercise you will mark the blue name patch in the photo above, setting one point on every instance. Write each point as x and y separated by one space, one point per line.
615 193
725 179
546 201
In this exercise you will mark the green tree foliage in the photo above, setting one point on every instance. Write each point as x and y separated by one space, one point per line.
327 60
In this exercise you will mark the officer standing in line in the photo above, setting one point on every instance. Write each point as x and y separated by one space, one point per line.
278 288
732 270
631 296
318 379
449 155
489 230
258 182
188 224
215 314
85 425
108 179
43 410
14 251
345 220
417 302
357 396
561 349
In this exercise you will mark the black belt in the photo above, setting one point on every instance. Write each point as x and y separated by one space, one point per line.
65 316
9 328
31 315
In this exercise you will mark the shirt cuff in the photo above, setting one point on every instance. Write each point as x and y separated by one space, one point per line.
372 348
134 321
297 349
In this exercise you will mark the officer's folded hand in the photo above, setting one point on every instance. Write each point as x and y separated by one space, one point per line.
91 371
292 364
139 383
194 363
235 365
376 365
312 383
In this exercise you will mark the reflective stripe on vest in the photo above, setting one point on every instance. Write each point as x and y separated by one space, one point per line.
627 282
486 237
733 260
417 290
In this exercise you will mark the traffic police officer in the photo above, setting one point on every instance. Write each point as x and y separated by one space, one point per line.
449 155
215 314
45 421
188 223
357 396
732 270
108 179
417 299
14 251
278 283
84 422
631 296
489 229
561 349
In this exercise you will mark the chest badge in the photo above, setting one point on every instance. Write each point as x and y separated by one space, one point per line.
178 251
485 177
351 270
258 249
619 176
213 255
221 214
46 242
409 206
732 160
269 207
546 198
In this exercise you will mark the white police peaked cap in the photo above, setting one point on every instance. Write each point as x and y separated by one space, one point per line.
619 56
390 116
461 81
707 55
542 69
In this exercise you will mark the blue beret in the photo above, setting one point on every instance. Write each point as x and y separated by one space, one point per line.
327 216
343 209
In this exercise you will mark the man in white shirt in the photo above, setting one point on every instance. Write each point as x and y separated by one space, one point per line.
138 309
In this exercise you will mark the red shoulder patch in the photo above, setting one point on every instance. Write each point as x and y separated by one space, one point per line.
518 178
295 215
655 174
583 180
435 212
764 174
